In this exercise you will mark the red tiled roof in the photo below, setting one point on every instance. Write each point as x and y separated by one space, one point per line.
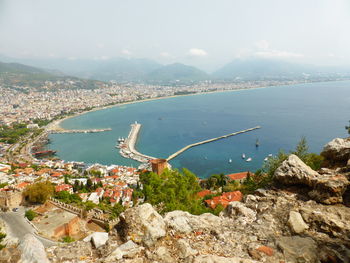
203 193
63 187
238 176
224 199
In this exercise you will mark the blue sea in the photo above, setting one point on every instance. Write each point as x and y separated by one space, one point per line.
318 111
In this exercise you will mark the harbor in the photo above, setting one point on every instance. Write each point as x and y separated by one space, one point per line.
208 141
127 146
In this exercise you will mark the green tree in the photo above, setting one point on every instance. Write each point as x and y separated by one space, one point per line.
30 214
2 237
173 190
302 149
39 192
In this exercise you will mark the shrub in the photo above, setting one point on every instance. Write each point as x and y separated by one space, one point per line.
30 214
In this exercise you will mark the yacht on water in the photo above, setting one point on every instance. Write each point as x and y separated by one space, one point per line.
230 160
243 156
248 160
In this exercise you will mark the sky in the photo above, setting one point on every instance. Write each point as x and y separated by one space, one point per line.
203 33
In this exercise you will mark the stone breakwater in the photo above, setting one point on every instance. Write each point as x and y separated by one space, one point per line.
127 148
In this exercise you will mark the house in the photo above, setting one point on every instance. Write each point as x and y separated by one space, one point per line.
64 187
224 199
239 177
203 193
94 197
84 196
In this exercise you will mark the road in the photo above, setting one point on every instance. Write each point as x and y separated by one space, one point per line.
19 227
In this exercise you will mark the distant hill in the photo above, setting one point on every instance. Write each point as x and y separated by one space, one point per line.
259 69
16 74
177 73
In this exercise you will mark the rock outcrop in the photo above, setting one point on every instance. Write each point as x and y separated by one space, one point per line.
142 224
282 224
33 250
98 239
337 151
327 188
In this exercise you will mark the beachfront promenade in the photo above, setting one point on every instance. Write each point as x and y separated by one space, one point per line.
79 131
128 150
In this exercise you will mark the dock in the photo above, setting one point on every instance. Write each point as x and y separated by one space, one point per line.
208 141
127 149
79 131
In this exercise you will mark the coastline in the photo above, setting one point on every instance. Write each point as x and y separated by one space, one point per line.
56 125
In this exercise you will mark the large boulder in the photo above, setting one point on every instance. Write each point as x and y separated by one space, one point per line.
33 250
298 249
142 224
327 188
97 238
185 222
337 151
295 171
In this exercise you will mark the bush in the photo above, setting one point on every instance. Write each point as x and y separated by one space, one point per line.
68 239
30 214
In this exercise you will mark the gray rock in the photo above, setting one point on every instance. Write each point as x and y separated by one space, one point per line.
128 250
326 188
97 238
218 259
298 249
337 151
142 224
296 222
184 222
185 249
240 212
295 171
164 255
33 250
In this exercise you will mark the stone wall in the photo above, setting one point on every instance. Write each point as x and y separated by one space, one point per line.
10 199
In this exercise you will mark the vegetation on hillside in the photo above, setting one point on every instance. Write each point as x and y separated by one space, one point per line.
30 214
172 190
39 192
12 134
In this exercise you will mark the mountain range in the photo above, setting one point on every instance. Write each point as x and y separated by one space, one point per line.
149 71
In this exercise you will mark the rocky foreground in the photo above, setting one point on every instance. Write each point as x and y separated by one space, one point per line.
305 219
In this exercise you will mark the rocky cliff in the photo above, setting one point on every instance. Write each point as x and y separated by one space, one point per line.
302 219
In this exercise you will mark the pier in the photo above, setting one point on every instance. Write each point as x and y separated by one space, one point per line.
79 131
210 140
127 148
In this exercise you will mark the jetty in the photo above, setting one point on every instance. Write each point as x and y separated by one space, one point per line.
127 148
79 131
208 141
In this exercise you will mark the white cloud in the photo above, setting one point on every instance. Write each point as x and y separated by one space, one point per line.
165 55
72 58
262 44
100 45
126 52
277 54
197 52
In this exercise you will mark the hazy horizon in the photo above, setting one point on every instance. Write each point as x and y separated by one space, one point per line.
198 33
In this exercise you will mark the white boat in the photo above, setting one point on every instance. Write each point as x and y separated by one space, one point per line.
230 160
248 160
270 155
243 156
266 159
